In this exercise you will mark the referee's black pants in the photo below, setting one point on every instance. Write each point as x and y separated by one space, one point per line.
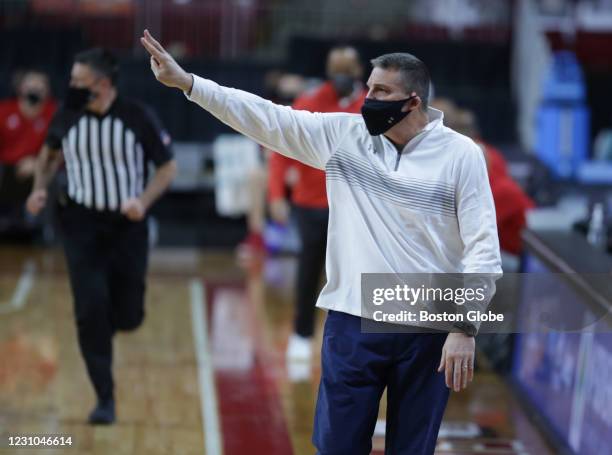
312 227
107 260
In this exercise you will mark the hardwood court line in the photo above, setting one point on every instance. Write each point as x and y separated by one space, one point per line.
206 381
22 290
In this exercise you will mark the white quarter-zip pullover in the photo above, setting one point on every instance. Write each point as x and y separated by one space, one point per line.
428 209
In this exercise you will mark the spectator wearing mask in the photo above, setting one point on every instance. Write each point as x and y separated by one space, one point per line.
24 120
342 92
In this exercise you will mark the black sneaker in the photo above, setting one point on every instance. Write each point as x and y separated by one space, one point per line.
103 413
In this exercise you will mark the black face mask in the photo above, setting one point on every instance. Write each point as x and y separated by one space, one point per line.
77 98
380 116
33 98
343 84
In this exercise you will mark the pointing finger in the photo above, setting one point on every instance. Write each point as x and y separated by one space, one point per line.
151 49
154 42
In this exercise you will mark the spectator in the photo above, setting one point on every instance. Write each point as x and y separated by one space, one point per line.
24 120
282 88
343 92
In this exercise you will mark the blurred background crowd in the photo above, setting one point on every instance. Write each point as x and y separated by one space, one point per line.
528 80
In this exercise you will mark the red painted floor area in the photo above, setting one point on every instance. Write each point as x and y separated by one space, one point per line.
250 409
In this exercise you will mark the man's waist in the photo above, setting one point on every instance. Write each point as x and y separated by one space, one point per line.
105 214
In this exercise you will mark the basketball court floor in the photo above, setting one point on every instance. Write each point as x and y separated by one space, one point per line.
205 374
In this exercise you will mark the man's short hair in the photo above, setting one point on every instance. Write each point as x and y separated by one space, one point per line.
413 71
102 61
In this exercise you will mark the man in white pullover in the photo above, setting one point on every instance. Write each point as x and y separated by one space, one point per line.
406 195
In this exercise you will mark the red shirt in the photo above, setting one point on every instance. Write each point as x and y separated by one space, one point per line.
511 202
21 136
497 162
309 190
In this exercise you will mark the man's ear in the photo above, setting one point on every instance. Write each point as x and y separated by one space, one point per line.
413 103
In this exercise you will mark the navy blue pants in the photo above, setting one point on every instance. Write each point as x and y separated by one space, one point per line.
356 368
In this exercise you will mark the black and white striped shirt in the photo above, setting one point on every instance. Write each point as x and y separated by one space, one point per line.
107 156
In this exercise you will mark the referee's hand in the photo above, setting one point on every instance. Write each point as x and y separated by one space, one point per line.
133 209
457 360
36 201
165 68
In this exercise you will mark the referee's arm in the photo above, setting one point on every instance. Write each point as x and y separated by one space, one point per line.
155 142
47 163
136 208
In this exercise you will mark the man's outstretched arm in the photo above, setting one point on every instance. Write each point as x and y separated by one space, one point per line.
304 136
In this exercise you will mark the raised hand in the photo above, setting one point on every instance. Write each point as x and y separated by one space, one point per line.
165 68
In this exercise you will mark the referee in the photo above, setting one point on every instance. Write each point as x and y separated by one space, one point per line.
106 143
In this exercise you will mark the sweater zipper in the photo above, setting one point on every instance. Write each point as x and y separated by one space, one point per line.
399 155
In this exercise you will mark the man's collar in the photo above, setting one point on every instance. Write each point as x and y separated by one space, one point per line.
434 115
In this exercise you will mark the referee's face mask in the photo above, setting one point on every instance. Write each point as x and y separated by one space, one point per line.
78 97
84 87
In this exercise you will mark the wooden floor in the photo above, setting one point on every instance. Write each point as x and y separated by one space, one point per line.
204 374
